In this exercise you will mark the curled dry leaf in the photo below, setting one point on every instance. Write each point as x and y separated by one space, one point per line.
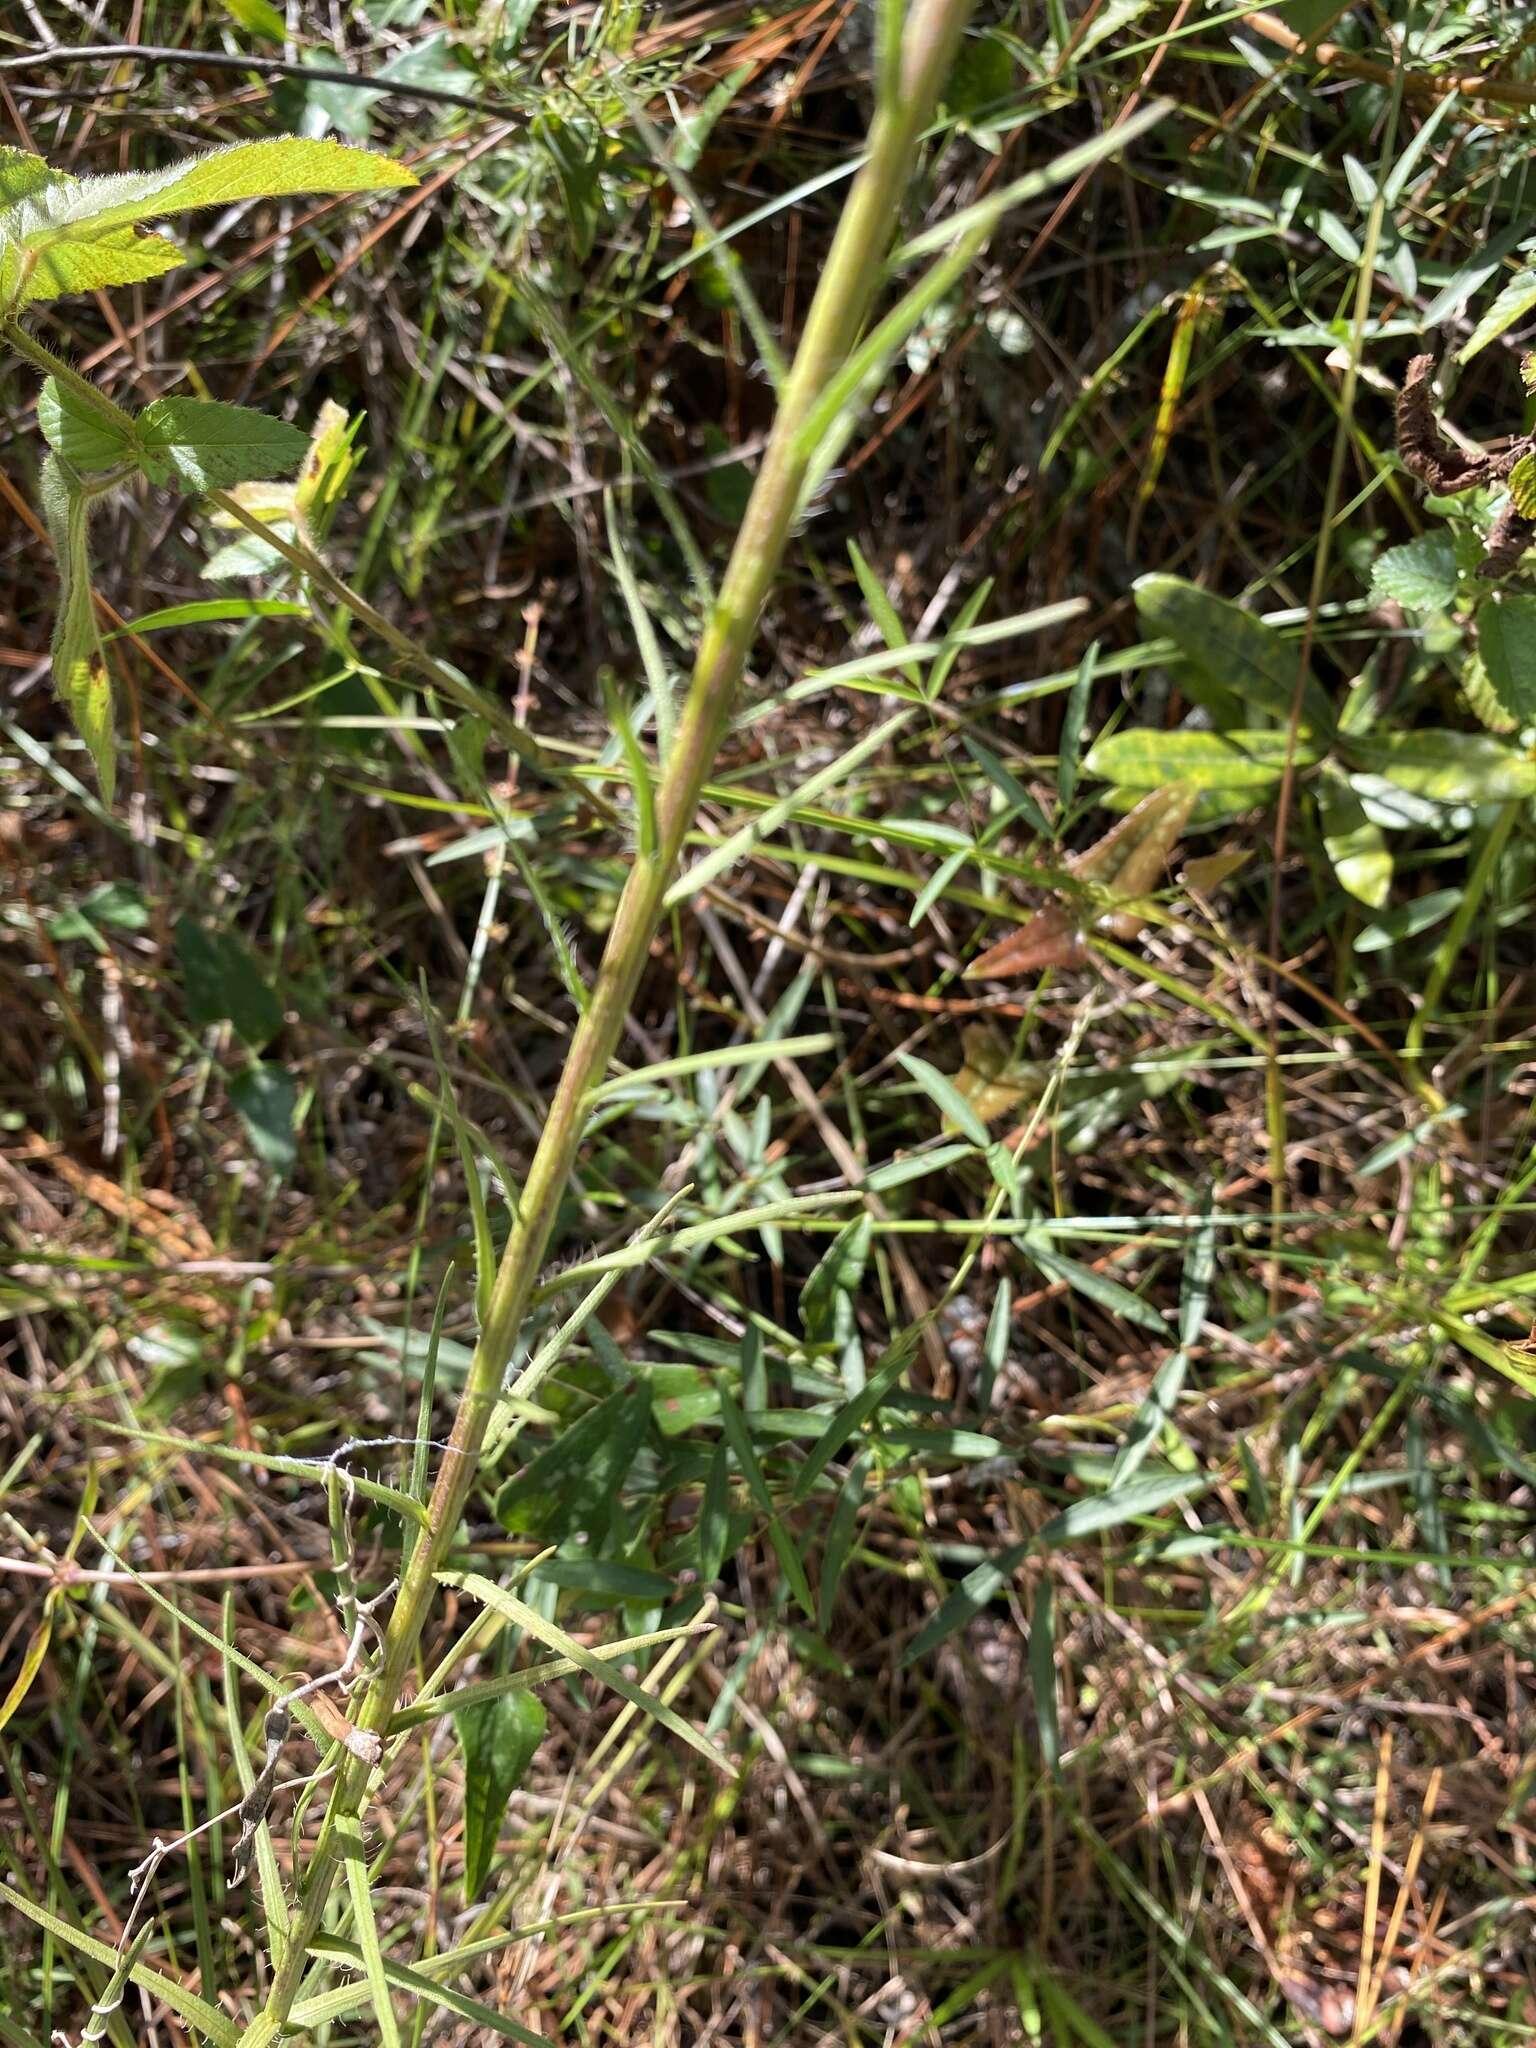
1127 862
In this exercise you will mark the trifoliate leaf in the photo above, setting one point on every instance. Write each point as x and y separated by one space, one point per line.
1421 574
86 439
207 446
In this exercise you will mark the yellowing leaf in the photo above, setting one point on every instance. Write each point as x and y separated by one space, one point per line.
1354 844
1522 485
1249 763
77 234
32 1659
22 172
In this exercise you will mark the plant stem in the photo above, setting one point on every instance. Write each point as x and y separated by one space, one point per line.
299 555
910 83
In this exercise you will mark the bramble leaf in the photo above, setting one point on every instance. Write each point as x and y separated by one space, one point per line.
23 172
77 234
1420 574
85 439
1506 640
207 446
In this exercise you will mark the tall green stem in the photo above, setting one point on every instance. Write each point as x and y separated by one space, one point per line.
909 88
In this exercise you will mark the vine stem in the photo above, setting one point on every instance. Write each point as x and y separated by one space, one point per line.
912 71
303 558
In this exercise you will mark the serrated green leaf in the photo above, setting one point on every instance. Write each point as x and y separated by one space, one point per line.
54 268
1420 574
208 446
1449 767
1522 485
1250 763
78 234
84 438
224 984
1231 647
275 169
1506 642
23 172
266 1098
498 1738
1356 848
1513 303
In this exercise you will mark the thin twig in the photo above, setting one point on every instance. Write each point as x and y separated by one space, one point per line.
157 56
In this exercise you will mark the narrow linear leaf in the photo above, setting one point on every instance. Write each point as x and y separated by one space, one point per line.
1096 1287
355 1859
973 1593
857 1410
942 1092
1121 1504
196 2011
555 1638
1042 1675
734 1424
